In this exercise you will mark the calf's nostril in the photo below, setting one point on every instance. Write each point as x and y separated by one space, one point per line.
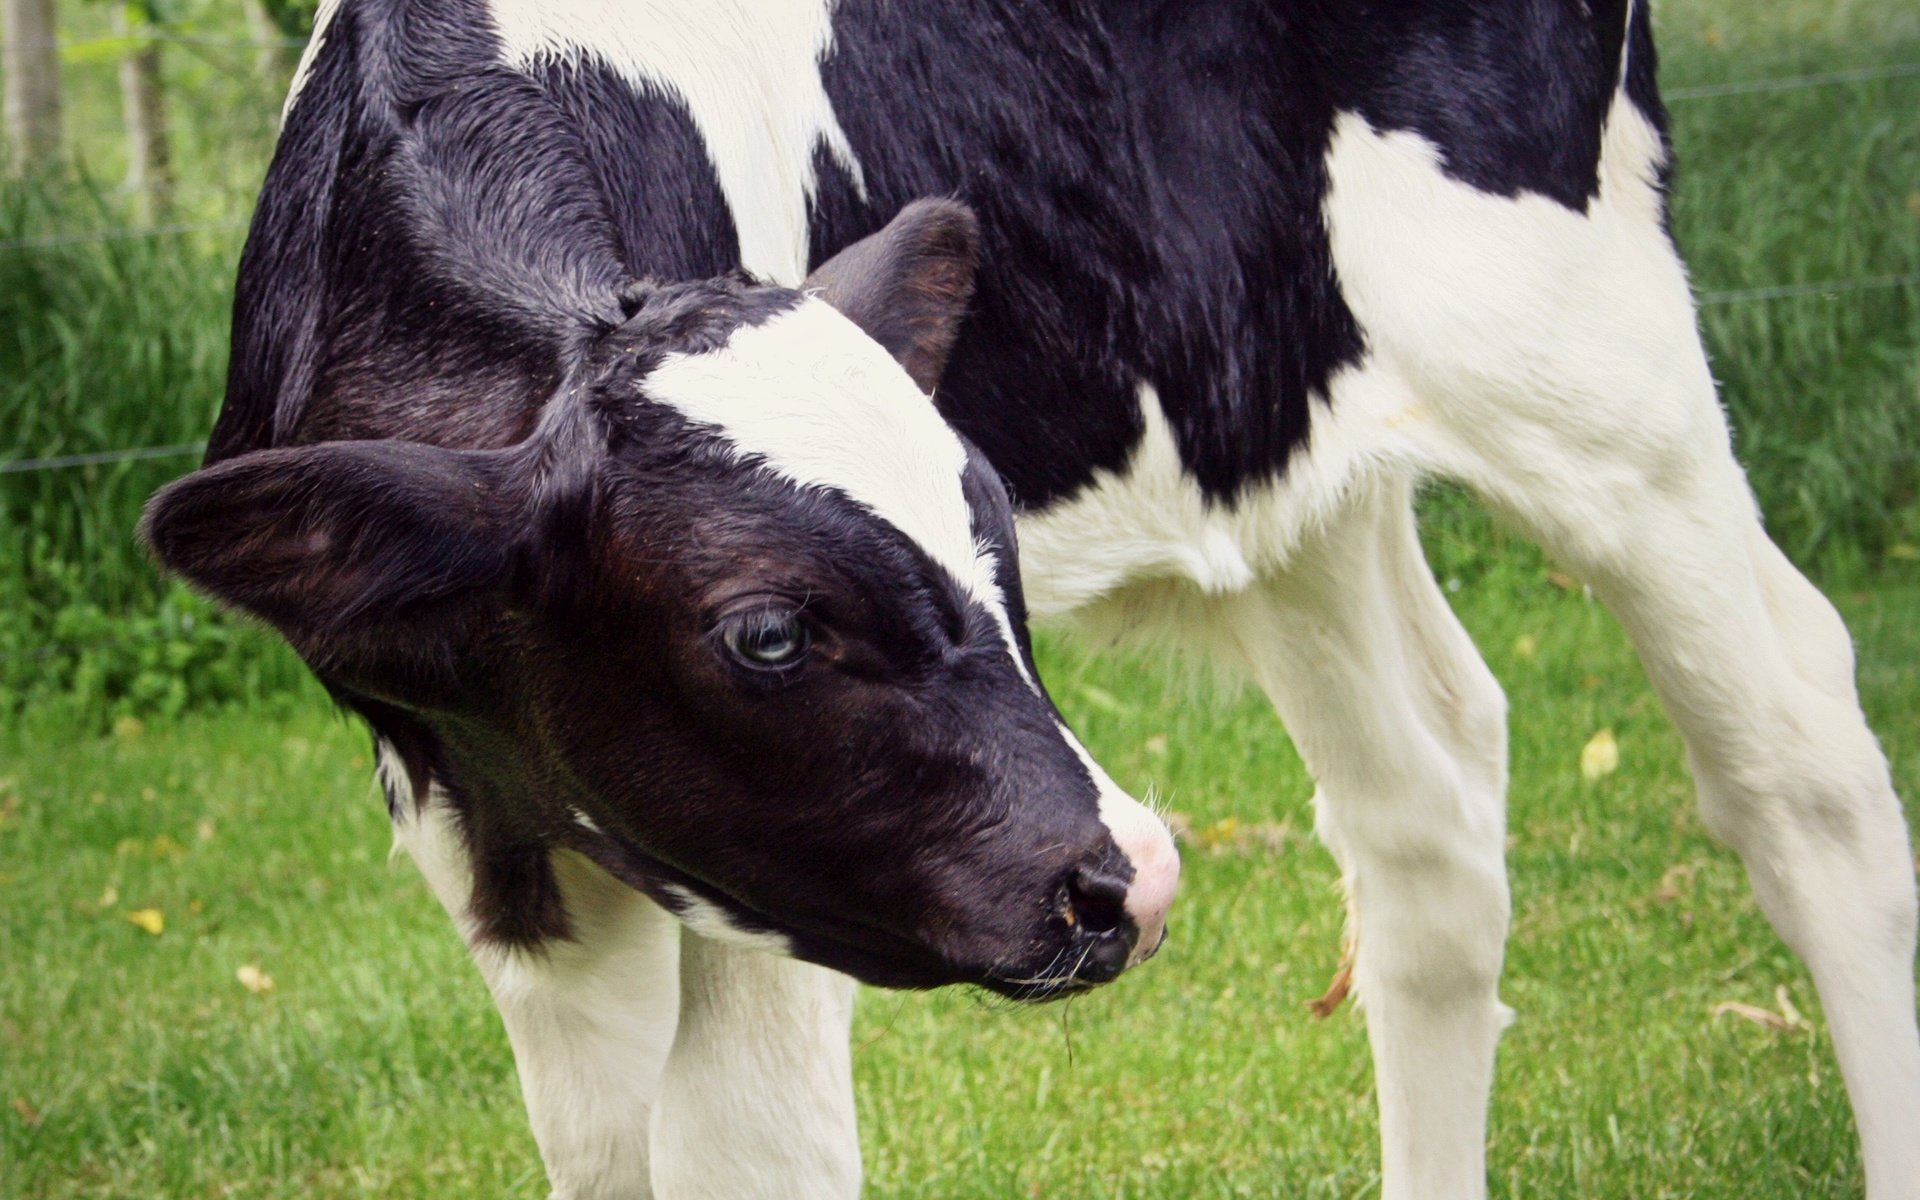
1098 900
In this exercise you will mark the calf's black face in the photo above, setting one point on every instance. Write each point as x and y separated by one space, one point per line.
740 621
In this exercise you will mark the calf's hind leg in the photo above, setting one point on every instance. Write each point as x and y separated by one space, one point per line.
1404 730
1598 430
1561 376
1756 669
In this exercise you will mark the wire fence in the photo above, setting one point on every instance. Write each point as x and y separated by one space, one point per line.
179 37
1705 298
1708 91
1786 291
90 237
97 458
189 450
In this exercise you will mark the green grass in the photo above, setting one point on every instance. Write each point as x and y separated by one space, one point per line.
377 1068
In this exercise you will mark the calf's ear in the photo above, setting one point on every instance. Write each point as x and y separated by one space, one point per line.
342 546
908 285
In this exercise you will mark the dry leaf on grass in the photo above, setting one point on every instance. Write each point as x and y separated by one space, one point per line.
1600 757
1323 1005
1230 835
253 979
1787 1020
1677 879
150 919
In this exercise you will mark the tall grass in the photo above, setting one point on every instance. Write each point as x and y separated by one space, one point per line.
103 346
1808 185
1824 389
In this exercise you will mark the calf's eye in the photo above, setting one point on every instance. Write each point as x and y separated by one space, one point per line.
765 639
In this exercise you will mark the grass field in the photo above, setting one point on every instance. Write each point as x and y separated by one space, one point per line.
160 762
138 1065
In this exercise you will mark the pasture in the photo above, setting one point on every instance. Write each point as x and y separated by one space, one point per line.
213 982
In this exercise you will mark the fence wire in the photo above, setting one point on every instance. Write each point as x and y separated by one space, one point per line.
1684 94
1707 91
1784 291
181 37
1706 299
90 237
100 457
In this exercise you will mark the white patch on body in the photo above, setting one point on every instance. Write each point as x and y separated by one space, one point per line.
815 398
749 75
1150 524
712 922
322 20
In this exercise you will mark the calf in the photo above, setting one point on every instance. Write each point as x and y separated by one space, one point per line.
675 599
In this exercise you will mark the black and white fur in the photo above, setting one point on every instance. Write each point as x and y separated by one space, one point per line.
1248 273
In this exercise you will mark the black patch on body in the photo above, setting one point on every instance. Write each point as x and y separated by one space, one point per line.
1150 180
440 237
1514 93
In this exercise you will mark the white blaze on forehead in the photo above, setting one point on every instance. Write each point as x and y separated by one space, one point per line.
823 405
748 73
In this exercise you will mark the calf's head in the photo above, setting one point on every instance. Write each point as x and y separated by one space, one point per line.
740 621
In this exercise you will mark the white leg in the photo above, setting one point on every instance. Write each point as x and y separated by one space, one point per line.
757 1099
1404 730
590 1019
1757 671
1560 374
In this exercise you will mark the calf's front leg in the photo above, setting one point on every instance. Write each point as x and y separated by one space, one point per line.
658 1064
756 1102
590 1018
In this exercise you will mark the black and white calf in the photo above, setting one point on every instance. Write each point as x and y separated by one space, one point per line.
678 599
